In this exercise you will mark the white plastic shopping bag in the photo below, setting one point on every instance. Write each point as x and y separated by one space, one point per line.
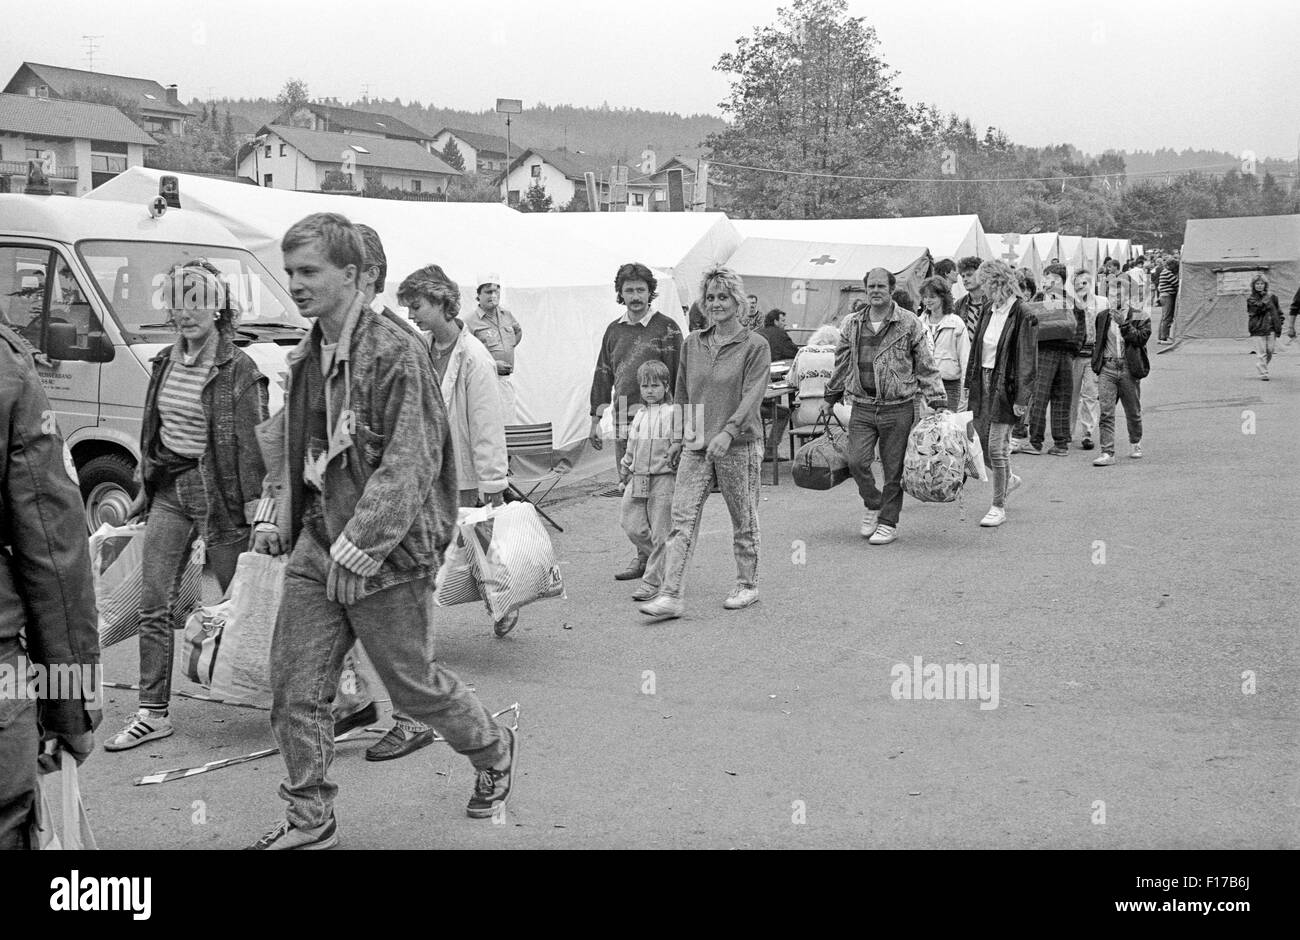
77 835
974 449
117 564
512 556
457 581
239 630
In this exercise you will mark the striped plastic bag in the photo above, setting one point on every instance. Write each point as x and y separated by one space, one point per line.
457 581
512 556
117 566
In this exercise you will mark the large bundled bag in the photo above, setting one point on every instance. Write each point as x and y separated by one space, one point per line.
1056 322
117 567
508 554
823 462
228 645
935 465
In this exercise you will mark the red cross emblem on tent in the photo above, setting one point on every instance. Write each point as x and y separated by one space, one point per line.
1011 240
824 259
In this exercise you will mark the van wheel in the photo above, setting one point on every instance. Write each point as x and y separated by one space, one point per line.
107 488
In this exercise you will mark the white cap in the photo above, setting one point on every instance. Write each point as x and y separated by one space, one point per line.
490 277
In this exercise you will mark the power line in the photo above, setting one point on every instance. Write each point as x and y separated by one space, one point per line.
954 179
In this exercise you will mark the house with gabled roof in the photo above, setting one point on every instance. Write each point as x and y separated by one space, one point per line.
160 108
483 153
79 145
297 158
563 174
338 120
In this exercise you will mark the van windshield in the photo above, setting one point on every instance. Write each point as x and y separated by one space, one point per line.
131 276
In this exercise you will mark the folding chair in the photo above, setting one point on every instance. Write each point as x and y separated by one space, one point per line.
524 440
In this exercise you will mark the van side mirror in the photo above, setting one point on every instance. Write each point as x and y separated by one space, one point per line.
61 341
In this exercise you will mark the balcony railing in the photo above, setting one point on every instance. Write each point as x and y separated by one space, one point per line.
19 168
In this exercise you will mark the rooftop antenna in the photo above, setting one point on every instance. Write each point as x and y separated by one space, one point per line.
91 46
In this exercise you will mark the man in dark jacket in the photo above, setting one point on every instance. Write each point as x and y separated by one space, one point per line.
361 486
774 332
1055 377
46 595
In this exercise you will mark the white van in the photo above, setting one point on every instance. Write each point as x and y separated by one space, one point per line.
80 279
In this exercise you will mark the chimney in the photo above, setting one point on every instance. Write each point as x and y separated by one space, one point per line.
173 95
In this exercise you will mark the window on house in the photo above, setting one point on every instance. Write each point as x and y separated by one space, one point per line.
638 199
537 171
106 163
43 91
266 180
268 150
415 186
512 197
359 149
284 150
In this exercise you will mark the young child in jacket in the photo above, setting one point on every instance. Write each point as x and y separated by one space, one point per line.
648 473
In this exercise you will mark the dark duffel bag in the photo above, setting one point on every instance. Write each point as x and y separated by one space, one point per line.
1055 324
823 462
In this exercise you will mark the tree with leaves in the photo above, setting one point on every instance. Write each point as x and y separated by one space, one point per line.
127 106
292 96
451 155
536 199
811 94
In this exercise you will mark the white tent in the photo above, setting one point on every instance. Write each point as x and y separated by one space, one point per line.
560 288
1091 254
1020 251
681 244
816 282
1048 245
946 236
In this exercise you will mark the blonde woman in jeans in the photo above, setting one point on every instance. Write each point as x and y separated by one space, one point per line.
1000 376
721 377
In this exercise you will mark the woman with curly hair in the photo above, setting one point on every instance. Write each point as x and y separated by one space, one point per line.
1000 376
721 380
200 471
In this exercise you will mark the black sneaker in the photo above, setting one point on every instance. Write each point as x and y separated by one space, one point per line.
1087 444
493 786
284 835
367 715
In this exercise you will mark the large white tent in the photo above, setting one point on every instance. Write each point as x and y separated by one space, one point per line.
1048 245
816 282
946 236
681 244
1019 250
561 288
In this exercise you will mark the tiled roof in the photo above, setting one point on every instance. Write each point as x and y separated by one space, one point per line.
378 152
368 121
146 93
574 165
486 143
52 117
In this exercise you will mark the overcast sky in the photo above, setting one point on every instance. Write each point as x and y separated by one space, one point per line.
1099 74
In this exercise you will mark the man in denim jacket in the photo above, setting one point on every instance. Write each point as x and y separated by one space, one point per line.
881 364
361 486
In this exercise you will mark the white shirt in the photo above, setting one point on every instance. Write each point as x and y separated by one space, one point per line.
993 334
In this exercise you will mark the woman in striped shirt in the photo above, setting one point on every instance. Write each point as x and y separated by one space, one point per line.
200 471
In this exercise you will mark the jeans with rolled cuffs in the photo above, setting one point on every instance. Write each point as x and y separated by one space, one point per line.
738 474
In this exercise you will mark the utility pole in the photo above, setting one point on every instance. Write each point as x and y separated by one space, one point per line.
365 92
91 46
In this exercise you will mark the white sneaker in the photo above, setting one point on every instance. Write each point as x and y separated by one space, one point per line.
741 598
1105 460
143 726
883 535
1014 484
1136 452
869 523
994 517
663 607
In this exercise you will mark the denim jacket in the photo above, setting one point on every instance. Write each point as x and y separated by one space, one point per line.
903 363
234 400
389 494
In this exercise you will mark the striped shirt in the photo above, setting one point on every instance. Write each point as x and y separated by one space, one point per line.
1168 283
180 403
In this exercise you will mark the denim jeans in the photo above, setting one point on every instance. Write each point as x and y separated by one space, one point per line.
737 473
312 635
1117 383
20 742
1054 386
1084 408
888 426
1167 303
176 518
648 521
1265 347
995 437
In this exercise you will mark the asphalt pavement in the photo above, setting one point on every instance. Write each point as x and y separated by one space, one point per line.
1141 618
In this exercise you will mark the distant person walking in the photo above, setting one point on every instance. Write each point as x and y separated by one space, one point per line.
1264 320
1054 385
1083 399
1000 377
1120 362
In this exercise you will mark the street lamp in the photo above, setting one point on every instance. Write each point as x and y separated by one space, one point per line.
509 106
